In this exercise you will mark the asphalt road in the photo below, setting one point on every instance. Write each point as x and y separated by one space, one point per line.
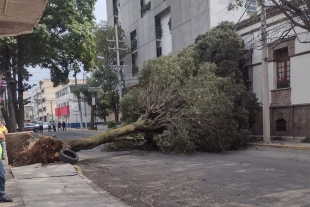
252 177
71 133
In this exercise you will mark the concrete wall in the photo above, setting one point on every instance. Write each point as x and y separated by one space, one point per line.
188 19
297 118
300 76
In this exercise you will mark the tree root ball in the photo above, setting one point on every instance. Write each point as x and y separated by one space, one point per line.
44 150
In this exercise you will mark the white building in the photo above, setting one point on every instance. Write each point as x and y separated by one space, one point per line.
159 27
288 75
67 109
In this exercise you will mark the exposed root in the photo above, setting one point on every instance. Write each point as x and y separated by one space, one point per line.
44 150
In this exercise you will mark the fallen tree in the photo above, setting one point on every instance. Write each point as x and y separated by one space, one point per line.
193 100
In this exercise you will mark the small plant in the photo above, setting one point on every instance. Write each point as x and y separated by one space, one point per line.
111 125
169 24
145 7
135 70
283 83
158 32
278 139
305 140
134 43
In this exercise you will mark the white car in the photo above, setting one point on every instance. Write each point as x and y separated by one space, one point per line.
45 125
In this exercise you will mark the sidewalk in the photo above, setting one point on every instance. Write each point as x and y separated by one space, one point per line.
289 144
11 188
54 185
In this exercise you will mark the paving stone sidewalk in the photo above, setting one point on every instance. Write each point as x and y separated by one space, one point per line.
54 185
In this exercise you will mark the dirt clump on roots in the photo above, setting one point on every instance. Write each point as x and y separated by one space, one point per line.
44 150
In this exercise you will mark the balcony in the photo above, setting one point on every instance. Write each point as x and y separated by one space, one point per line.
19 17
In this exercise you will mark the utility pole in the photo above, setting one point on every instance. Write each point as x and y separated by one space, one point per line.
118 64
118 67
51 102
79 103
85 115
266 112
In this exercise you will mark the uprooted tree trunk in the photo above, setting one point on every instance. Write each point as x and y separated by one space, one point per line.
45 149
107 137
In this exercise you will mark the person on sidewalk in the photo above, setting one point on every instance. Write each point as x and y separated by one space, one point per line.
4 131
59 125
3 197
40 122
50 126
63 126
54 126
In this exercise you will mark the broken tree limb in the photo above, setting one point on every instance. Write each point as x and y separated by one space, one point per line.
106 137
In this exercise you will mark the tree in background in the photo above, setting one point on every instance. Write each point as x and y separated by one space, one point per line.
63 38
296 14
104 77
193 100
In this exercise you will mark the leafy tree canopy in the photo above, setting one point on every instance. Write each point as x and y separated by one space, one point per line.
196 99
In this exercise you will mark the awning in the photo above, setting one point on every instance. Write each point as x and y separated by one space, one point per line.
62 111
20 16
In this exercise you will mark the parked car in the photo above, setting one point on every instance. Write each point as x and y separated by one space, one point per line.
45 125
30 127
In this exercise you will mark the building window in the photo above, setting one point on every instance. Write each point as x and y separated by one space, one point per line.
158 29
283 68
145 6
158 51
281 125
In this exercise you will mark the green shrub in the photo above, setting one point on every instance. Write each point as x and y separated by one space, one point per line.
111 124
305 140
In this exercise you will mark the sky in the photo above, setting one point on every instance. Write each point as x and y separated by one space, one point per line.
39 74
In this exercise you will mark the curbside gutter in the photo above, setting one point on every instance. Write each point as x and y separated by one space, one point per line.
283 146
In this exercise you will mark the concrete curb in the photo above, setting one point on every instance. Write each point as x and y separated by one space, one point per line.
78 169
283 146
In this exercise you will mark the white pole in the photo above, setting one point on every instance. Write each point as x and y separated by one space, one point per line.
118 65
79 105
85 114
266 112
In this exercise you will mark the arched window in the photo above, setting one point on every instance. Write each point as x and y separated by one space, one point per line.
281 125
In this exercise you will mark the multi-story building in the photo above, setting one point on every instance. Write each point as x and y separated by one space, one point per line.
288 74
67 109
159 27
44 99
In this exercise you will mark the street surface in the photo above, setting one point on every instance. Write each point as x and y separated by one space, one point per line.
71 133
253 177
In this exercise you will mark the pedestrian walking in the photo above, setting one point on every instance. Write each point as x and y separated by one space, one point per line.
4 131
3 197
54 126
63 126
50 126
40 122
59 125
